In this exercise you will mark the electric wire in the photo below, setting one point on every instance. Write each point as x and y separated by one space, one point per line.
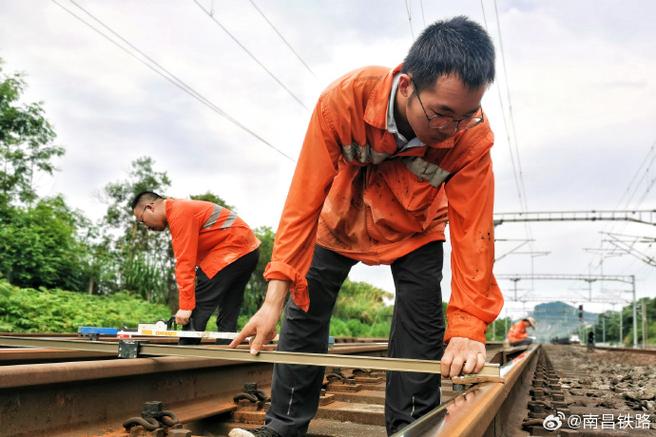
423 17
284 40
407 9
251 55
154 66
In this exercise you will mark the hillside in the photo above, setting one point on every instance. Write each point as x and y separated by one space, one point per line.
558 319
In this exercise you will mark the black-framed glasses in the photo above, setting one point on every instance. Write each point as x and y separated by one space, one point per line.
143 211
445 122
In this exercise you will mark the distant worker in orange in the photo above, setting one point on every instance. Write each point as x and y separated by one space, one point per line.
517 335
389 156
215 253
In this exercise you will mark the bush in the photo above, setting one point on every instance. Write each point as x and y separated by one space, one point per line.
42 310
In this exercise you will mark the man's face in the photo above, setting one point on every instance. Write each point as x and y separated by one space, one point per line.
448 101
148 215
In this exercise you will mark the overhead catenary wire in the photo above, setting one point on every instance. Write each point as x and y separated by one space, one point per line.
507 130
511 116
423 17
252 56
154 66
511 132
284 40
629 193
407 9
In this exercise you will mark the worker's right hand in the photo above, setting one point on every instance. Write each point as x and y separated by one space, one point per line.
262 326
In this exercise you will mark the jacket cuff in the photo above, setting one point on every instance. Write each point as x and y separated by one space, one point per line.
462 324
187 301
298 287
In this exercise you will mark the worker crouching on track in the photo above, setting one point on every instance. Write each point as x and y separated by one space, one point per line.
215 254
517 334
384 150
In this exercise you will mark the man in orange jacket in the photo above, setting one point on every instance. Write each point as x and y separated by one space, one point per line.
389 156
215 254
517 334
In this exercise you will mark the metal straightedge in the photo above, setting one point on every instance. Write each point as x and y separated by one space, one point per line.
489 371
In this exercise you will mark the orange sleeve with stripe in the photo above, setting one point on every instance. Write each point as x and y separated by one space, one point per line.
296 235
475 296
184 236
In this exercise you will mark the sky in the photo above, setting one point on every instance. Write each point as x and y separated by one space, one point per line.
572 109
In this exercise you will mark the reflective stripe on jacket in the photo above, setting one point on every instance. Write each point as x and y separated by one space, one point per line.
354 194
206 235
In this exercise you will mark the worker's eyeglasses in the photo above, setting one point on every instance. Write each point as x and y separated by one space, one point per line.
143 211
445 122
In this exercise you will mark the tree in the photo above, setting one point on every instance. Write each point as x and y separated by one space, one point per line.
211 197
143 261
25 142
256 287
40 246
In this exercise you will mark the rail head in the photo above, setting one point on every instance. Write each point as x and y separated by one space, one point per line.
471 412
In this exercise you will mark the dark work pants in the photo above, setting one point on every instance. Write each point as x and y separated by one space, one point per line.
225 291
417 332
524 342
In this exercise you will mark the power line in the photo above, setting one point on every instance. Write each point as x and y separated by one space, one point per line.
637 173
631 191
407 9
513 158
251 55
510 110
507 130
423 17
284 40
153 65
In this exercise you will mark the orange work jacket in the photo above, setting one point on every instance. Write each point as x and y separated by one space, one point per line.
517 331
353 193
205 235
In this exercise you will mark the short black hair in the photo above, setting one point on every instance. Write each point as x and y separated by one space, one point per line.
144 196
456 46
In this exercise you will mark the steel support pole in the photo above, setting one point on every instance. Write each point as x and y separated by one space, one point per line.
644 323
635 313
621 326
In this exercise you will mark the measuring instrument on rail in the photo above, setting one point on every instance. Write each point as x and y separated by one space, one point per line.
162 329
138 348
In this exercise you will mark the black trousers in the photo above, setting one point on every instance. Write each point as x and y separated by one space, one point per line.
224 291
526 341
417 332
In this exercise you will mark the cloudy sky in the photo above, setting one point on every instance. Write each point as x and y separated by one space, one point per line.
579 75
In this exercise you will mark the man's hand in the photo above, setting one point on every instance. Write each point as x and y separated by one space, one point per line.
182 317
462 356
263 323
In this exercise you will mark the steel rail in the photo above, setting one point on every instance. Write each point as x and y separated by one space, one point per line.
472 412
627 350
242 355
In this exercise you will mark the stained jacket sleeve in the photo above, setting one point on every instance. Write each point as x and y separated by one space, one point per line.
313 177
184 236
475 296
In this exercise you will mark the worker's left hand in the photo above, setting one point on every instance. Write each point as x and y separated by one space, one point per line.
462 356
182 317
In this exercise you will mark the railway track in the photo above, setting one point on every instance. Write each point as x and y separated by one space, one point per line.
46 391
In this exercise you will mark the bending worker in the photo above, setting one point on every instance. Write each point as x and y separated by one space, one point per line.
384 151
215 254
517 334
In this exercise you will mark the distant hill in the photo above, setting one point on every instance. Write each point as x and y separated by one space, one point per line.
558 319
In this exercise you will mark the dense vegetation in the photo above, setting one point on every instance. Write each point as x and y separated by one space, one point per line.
43 310
609 322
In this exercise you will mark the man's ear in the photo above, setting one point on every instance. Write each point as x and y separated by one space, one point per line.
405 84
